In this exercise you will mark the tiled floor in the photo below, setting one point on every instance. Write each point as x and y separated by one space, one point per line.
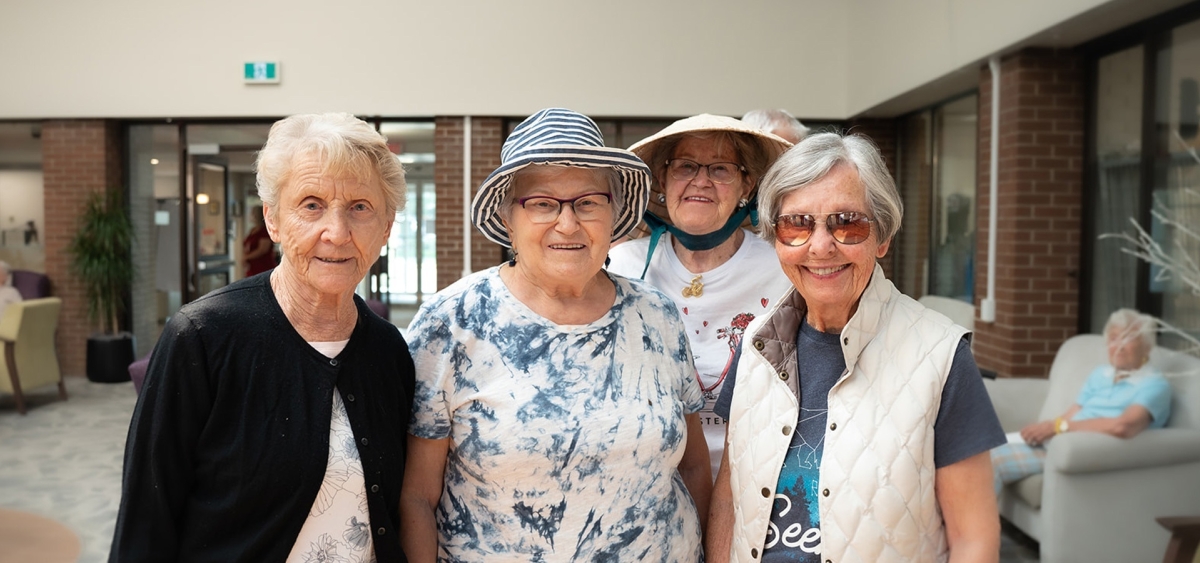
63 461
1015 546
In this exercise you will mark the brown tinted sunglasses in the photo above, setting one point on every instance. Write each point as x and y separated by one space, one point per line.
846 227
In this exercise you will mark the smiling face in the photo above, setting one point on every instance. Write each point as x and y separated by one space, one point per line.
831 276
700 206
330 229
567 250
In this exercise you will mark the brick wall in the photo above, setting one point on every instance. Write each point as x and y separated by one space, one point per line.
486 139
78 157
1038 223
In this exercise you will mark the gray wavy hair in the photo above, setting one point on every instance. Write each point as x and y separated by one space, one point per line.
344 145
1128 323
812 159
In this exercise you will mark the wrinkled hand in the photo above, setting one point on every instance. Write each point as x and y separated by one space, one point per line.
1038 433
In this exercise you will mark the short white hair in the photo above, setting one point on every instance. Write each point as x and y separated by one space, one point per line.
341 143
770 120
1128 323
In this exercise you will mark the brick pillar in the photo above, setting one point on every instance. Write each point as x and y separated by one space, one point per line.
1038 220
78 157
884 133
448 176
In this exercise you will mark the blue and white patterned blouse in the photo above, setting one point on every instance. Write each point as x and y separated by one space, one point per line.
564 440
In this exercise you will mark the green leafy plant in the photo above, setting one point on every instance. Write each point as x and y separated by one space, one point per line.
100 257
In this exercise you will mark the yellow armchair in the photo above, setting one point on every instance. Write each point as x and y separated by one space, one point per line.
29 356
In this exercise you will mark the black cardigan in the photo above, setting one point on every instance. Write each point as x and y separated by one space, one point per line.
230 437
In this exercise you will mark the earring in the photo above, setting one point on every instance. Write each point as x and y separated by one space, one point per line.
743 202
662 198
512 262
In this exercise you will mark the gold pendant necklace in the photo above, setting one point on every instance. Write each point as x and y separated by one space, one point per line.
696 288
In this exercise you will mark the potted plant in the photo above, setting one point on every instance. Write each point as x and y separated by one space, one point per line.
100 258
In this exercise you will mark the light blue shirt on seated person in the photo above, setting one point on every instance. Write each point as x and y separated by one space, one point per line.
1101 397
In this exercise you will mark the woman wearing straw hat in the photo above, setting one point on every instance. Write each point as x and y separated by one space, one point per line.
720 275
555 416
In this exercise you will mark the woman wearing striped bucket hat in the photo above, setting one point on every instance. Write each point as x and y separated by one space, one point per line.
555 417
700 253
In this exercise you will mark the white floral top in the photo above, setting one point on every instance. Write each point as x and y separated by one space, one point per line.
338 528
564 440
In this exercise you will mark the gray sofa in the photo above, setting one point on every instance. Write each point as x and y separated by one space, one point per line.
1099 495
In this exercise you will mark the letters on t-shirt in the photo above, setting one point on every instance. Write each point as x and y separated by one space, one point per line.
794 536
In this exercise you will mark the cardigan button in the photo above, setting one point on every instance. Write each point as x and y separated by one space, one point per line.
381 531
833 426
374 488
754 552
758 345
350 397
333 362
787 430
364 441
766 492
783 375
825 492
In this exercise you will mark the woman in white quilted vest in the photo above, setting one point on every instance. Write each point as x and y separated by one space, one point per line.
859 427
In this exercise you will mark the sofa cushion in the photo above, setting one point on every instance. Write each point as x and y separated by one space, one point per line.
1028 490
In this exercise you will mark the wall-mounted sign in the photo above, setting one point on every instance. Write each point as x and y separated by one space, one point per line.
261 72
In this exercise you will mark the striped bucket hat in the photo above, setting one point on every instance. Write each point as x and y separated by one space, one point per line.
560 137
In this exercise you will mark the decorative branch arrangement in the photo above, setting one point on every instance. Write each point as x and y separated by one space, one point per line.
1175 262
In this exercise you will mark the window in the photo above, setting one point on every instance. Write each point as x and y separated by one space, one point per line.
937 177
1145 168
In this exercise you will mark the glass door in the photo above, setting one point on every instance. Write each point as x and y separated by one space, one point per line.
411 260
213 266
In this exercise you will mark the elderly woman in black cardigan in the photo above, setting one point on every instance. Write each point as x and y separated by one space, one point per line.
271 425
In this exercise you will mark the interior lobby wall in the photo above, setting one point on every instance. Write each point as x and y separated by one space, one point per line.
408 58
819 59
21 201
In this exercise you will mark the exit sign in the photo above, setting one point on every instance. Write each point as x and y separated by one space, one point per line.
261 72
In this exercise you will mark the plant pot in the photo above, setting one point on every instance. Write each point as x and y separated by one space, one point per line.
108 358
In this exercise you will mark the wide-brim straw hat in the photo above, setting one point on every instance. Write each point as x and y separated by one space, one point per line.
771 145
560 137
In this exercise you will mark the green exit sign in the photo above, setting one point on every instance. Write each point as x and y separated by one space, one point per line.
261 72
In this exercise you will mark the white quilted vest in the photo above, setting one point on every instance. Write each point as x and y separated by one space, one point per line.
877 500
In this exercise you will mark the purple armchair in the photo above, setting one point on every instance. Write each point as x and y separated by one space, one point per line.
137 372
31 285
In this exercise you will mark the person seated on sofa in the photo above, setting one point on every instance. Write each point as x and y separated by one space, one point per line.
8 293
1121 398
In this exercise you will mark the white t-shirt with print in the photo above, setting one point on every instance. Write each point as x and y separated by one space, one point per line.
733 294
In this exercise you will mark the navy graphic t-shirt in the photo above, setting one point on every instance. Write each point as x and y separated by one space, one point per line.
966 425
